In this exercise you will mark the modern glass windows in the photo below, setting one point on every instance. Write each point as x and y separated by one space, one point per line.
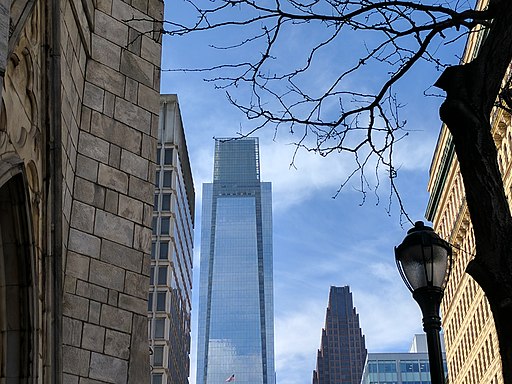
150 301
387 366
409 366
161 298
156 378
164 250
159 327
162 275
153 249
154 224
412 368
165 223
236 270
166 202
170 299
158 355
168 156
167 182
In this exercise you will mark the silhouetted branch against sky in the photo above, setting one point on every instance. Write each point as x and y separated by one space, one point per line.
274 60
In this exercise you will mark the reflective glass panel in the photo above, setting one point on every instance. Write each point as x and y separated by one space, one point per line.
164 250
156 378
160 301
165 225
236 271
159 328
166 202
167 179
168 156
162 275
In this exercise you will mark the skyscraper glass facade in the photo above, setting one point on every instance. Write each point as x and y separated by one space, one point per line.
401 368
397 368
169 302
236 326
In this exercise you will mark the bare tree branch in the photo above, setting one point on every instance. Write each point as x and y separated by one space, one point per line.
332 111
400 35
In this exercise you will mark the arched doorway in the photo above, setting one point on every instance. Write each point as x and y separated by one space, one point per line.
17 310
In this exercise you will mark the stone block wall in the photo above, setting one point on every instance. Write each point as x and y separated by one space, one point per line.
110 57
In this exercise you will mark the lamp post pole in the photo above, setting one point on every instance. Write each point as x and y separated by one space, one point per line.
429 300
424 262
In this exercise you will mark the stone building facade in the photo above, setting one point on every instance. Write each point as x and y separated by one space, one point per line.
78 126
470 337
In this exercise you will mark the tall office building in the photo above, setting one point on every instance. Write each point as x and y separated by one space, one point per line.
236 326
469 332
400 368
342 352
169 301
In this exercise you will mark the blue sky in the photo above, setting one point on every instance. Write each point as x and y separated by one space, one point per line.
318 241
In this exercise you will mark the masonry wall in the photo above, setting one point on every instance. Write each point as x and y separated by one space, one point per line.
110 55
470 336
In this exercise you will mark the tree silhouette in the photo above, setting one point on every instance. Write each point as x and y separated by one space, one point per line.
338 116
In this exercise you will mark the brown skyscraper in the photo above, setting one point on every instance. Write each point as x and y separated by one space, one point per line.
342 352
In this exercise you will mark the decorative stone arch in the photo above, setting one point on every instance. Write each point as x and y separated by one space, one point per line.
18 310
13 15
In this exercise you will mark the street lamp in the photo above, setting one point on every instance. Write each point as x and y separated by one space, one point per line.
424 261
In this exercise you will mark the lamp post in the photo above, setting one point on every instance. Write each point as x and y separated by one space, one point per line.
424 261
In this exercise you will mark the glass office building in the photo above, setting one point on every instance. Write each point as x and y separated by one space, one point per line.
400 368
236 326
169 302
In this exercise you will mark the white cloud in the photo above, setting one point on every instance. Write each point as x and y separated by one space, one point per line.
388 315
415 151
297 339
310 173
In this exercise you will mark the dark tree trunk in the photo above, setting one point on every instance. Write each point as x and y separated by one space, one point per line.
472 90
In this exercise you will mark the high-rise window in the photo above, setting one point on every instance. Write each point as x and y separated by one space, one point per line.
158 355
167 179
160 301
169 302
164 250
159 331
162 275
168 156
166 202
165 223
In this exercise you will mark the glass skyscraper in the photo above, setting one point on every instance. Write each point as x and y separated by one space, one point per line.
236 325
